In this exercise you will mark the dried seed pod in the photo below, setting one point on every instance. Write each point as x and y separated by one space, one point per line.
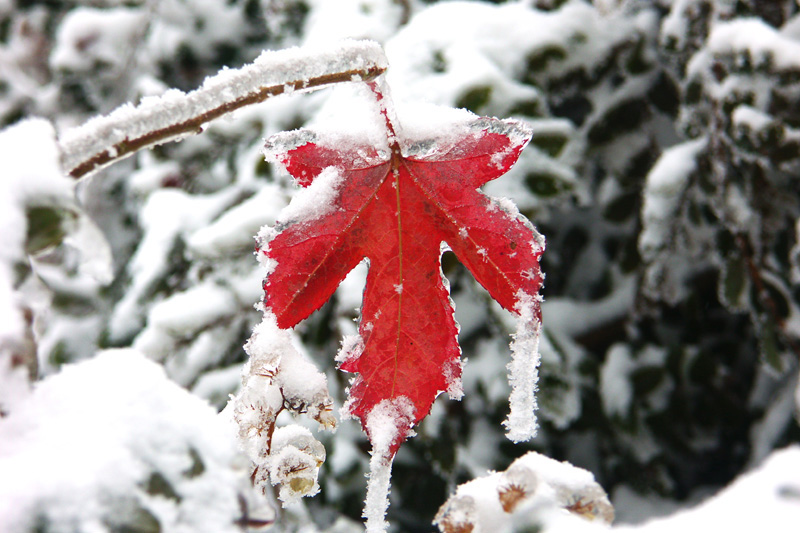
516 484
457 515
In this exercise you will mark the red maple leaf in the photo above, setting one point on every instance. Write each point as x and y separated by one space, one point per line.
396 207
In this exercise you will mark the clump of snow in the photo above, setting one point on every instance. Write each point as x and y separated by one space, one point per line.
88 37
31 177
273 353
754 36
234 229
739 42
187 312
420 123
665 185
523 370
352 348
31 174
745 116
316 200
674 30
616 390
112 439
351 118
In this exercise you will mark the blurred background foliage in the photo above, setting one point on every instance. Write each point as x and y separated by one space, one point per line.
663 173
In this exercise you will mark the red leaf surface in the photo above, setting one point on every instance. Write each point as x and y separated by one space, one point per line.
396 207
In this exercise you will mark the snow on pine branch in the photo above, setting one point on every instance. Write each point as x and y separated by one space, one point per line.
174 115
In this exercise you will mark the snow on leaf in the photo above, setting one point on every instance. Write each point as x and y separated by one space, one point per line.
396 209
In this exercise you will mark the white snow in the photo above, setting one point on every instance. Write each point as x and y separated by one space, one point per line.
95 433
752 38
314 201
764 499
273 351
294 463
531 489
523 370
89 36
352 19
352 348
420 122
666 182
235 228
187 312
279 377
616 390
757 37
31 177
384 425
270 69
752 118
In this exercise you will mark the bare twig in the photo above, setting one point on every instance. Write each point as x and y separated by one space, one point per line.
175 115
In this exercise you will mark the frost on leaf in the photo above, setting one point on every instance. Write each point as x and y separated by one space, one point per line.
395 203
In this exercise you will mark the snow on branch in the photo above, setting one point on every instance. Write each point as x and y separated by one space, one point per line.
174 115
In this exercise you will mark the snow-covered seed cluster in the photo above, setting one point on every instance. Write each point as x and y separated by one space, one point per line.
523 371
524 495
518 482
294 463
279 377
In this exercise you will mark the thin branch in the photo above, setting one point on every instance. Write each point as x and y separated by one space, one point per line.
175 115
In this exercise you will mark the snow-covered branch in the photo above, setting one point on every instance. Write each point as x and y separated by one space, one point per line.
175 114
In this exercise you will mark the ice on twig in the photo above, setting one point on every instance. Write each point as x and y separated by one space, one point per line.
176 114
523 370
388 421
